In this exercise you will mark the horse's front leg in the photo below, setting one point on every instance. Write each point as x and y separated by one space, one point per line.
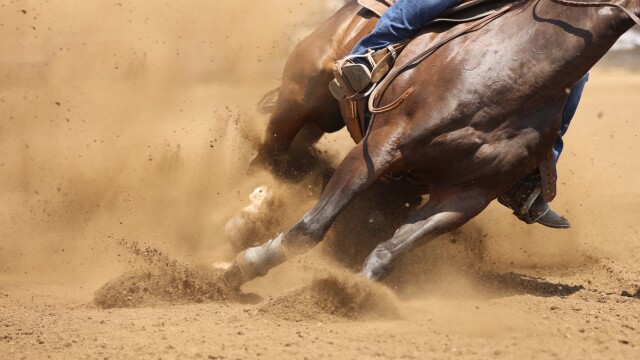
360 168
445 211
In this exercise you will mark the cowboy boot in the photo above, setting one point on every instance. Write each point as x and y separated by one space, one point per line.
351 78
358 74
528 205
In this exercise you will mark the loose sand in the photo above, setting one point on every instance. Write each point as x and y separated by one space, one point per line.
133 122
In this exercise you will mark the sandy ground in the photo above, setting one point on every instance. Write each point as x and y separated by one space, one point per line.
134 120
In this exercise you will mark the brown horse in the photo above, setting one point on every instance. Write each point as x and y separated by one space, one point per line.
485 112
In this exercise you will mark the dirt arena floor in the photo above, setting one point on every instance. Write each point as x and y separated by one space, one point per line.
133 122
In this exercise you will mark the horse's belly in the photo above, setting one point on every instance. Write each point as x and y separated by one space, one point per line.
467 154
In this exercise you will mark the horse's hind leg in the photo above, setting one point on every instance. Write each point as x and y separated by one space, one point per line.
303 112
445 211
299 120
360 168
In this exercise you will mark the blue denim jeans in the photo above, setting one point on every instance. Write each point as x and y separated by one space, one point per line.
405 18
567 114
402 21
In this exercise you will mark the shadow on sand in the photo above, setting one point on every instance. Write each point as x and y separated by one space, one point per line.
511 284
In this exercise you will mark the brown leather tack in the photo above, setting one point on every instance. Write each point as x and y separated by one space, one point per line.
549 177
349 110
379 7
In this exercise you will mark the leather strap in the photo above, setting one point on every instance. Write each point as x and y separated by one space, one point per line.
384 85
379 7
633 16
349 110
465 5
548 177
464 20
384 59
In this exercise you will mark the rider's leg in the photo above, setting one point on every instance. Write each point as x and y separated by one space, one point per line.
402 21
540 211
445 211
568 113
360 168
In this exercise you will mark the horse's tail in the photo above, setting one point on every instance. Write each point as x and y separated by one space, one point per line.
338 43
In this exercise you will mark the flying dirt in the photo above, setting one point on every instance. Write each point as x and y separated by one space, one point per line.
126 132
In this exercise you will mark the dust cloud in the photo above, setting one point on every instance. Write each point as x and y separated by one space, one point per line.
136 121
130 119
127 126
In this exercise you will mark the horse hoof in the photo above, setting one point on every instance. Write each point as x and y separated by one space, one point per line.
233 278
221 265
253 220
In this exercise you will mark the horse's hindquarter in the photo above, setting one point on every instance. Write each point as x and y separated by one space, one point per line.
489 102
332 39
304 92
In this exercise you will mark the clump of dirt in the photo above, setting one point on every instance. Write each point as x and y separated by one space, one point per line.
343 297
164 280
631 294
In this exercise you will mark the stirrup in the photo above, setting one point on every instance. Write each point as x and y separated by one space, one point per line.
336 90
